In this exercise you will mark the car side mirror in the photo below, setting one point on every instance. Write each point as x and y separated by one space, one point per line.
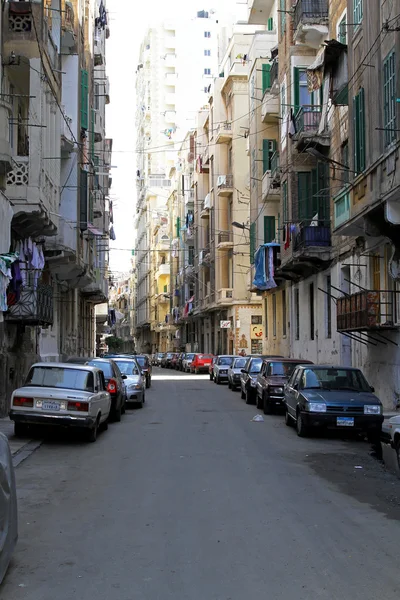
372 389
243 370
124 377
296 386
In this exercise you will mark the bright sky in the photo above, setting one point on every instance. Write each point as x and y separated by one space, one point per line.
128 23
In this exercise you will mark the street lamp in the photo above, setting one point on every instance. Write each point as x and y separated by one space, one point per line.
240 225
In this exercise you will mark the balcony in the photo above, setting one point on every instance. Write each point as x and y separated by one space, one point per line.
225 185
206 157
205 257
33 208
205 210
311 22
18 20
188 234
96 292
274 76
368 310
162 299
6 162
269 190
308 251
225 240
170 59
307 124
189 197
35 306
68 28
163 270
259 11
225 296
269 106
341 208
67 139
223 133
275 170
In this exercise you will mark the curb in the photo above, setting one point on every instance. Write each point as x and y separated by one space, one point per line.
25 451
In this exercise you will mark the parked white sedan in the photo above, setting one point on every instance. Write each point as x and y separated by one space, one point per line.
62 395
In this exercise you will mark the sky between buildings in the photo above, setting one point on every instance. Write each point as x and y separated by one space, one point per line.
128 23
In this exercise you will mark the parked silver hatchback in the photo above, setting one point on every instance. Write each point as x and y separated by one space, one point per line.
135 381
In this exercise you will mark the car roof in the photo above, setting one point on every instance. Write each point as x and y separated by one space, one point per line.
336 367
300 361
226 356
65 366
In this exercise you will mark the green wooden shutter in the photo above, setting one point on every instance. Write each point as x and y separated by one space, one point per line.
266 77
306 184
165 289
285 203
270 25
296 77
83 200
362 128
252 241
92 120
269 229
313 196
84 99
355 133
266 157
178 226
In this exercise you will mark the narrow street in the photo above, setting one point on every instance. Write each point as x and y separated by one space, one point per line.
188 499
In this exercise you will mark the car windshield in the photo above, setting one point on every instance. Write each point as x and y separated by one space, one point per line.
169 355
205 356
60 377
239 363
142 360
284 369
189 356
334 379
255 365
104 366
128 367
225 360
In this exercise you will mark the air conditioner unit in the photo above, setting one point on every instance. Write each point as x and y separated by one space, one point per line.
221 180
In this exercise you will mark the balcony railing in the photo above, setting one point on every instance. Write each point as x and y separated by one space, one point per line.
307 119
274 72
225 237
312 236
225 182
225 295
310 11
275 165
368 309
34 307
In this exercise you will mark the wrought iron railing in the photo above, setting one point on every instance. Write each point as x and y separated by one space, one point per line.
225 181
275 164
225 237
310 10
34 307
308 118
311 236
368 309
274 71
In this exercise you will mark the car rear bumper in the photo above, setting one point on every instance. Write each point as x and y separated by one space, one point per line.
52 420
203 368
361 422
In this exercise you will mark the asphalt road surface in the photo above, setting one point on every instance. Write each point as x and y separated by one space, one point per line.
188 499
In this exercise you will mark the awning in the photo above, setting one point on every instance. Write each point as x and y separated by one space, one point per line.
94 231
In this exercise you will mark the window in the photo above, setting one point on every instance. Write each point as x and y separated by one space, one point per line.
283 312
191 255
84 99
207 52
207 71
376 272
96 96
92 136
344 159
256 319
357 11
359 131
328 301
178 226
269 148
342 30
207 34
282 11
269 229
302 97
266 77
206 89
270 24
285 203
252 241
313 193
274 315
297 313
83 200
266 316
389 98
312 318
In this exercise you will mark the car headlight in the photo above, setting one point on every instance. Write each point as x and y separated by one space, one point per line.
372 409
253 382
135 386
316 407
276 390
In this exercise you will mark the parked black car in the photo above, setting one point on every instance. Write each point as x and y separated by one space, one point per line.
332 397
249 376
166 360
114 380
145 367
270 384
179 362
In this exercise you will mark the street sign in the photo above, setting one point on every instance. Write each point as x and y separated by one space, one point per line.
225 324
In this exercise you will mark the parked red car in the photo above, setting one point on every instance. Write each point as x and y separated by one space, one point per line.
201 363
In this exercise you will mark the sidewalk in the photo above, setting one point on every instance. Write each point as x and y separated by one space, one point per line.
21 448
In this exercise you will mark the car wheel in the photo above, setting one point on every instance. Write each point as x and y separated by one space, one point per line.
92 433
302 430
123 407
148 382
20 430
248 397
233 388
104 425
117 415
140 404
374 437
217 380
267 406
288 418
242 394
229 385
259 402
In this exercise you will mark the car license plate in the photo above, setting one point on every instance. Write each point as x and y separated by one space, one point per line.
345 421
51 406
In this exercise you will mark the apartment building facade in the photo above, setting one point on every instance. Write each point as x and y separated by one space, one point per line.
50 235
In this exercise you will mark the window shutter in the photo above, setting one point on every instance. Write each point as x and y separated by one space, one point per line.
178 226
355 133
285 203
269 229
266 156
83 201
92 120
84 99
266 77
252 241
296 76
270 26
165 289
313 197
362 128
